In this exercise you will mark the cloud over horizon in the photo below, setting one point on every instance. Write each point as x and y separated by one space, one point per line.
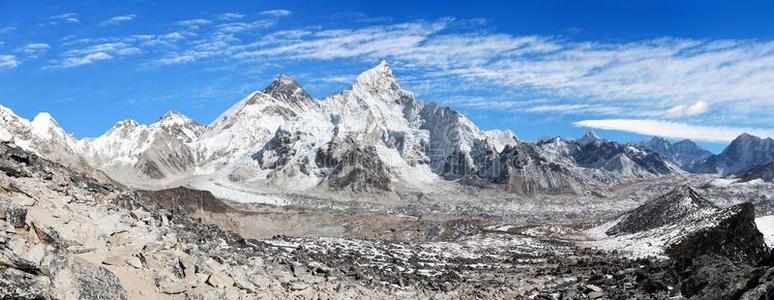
675 130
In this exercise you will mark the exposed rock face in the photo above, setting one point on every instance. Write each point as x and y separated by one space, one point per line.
744 152
671 208
353 167
683 224
734 235
622 158
524 170
764 172
286 89
683 153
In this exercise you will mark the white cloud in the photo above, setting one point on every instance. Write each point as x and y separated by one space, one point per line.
85 60
35 48
119 19
276 13
8 29
194 23
64 18
697 108
94 53
8 61
644 79
675 129
230 16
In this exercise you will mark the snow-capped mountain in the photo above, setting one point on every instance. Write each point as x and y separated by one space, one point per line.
44 136
744 152
683 152
137 154
373 137
498 139
622 160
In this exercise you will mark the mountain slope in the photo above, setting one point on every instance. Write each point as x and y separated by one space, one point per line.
683 152
137 154
374 137
744 152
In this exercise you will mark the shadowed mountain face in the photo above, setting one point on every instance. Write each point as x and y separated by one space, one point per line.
670 208
764 172
744 152
683 224
682 153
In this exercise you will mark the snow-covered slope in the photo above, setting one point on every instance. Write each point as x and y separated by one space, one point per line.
498 139
374 137
248 125
137 154
683 223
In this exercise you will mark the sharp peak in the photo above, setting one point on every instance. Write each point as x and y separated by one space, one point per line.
43 116
173 116
127 122
746 135
591 133
382 71
589 137
282 80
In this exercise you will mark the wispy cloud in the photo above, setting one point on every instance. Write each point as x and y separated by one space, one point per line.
119 19
725 81
194 23
230 16
8 62
35 48
675 129
71 18
94 53
276 13
7 29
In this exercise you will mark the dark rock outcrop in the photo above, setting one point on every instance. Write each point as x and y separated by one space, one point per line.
764 171
734 236
667 209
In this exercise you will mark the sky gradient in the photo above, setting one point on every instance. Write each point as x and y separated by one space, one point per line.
628 69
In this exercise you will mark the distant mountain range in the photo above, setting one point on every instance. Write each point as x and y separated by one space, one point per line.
374 137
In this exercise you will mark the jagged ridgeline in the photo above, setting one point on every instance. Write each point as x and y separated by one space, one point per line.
374 137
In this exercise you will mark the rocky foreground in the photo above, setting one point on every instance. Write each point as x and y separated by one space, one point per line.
68 236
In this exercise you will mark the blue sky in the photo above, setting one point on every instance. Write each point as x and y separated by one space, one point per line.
628 69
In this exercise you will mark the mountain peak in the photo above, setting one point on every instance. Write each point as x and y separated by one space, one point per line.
43 124
380 76
589 137
172 118
287 89
666 209
746 137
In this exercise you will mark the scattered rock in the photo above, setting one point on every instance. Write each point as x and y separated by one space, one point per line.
16 216
135 262
220 279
